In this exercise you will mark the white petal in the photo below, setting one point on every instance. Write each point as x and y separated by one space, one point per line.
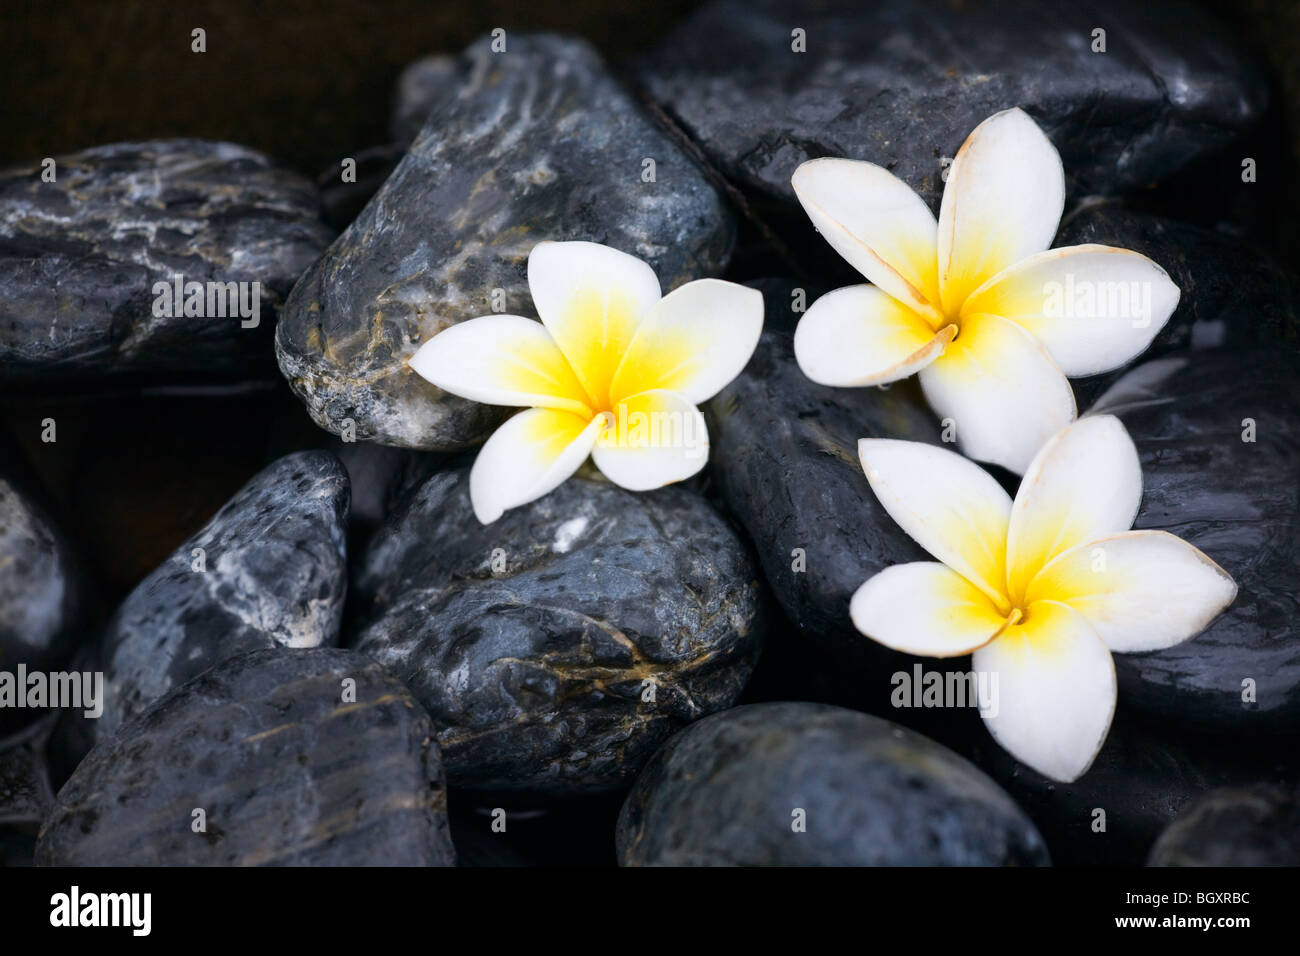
1001 389
1084 483
530 455
1141 590
693 341
1055 690
592 299
861 336
657 437
924 608
952 507
877 223
1002 202
1093 307
501 360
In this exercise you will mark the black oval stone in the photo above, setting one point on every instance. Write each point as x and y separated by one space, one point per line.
800 784
1243 826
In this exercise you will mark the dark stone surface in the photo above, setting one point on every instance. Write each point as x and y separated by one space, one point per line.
902 84
724 791
25 795
540 143
1237 501
535 675
1234 293
286 771
785 459
42 596
422 85
276 574
1142 779
1256 826
79 258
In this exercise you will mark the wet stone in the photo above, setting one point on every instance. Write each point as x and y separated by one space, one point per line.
561 158
800 784
313 757
557 647
80 256
1245 826
274 574
1218 435
785 460
902 84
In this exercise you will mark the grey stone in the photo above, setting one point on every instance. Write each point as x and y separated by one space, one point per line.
727 790
902 84
537 676
539 143
1237 501
286 768
79 258
422 85
1233 293
42 595
275 575
785 460
1143 778
1243 826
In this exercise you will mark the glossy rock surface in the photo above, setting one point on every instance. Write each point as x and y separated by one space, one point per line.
557 647
288 762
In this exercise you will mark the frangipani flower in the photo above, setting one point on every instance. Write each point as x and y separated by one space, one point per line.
1041 590
991 321
613 370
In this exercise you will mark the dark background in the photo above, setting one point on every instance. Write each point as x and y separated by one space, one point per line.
306 81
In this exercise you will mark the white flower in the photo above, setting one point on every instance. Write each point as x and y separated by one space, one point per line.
1042 590
613 370
992 323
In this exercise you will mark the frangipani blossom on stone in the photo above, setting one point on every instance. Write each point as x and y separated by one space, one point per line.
1041 590
990 318
614 370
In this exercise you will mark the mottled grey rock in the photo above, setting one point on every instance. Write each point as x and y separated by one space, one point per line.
727 791
785 459
422 85
902 83
537 676
276 574
289 766
42 594
539 143
1239 502
79 257
1247 826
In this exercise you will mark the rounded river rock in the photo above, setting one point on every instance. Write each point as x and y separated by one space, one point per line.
557 647
799 784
